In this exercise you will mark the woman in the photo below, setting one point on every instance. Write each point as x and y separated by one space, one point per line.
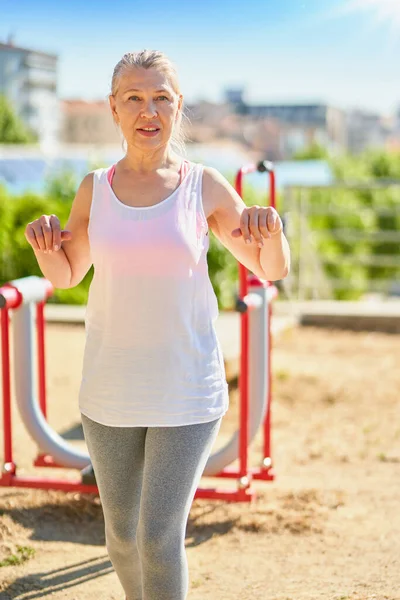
153 390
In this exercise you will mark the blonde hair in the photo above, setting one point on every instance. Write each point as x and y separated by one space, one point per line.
154 59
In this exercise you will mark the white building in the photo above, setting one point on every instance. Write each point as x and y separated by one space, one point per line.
305 123
365 130
28 79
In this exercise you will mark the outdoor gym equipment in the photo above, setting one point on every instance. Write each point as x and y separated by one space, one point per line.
24 300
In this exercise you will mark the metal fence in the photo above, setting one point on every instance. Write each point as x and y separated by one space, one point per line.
344 240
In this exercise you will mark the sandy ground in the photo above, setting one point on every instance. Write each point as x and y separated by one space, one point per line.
328 527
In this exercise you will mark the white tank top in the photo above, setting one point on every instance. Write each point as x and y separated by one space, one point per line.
152 357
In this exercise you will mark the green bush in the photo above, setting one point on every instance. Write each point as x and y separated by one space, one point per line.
12 129
355 210
314 152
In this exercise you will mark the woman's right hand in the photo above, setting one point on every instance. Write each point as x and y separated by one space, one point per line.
45 233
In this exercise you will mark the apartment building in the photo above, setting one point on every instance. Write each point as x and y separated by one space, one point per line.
304 123
28 78
85 122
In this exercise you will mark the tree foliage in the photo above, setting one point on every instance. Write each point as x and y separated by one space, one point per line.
12 129
312 152
365 213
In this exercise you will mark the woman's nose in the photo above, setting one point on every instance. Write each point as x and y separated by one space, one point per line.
149 110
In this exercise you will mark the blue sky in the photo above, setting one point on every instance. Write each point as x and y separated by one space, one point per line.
345 52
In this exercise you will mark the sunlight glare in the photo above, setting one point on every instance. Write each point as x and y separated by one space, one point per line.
384 10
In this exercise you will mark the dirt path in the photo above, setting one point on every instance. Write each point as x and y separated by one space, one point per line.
328 527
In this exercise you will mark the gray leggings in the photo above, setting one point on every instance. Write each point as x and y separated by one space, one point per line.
147 478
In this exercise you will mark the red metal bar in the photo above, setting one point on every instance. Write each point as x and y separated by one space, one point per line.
43 459
244 495
267 460
234 473
50 484
272 189
9 298
243 376
226 495
267 421
5 365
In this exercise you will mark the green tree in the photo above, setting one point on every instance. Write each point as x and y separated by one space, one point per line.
12 129
362 210
312 152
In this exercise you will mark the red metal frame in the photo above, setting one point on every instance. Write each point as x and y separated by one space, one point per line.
244 474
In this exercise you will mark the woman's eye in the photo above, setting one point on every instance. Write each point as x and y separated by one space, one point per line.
158 97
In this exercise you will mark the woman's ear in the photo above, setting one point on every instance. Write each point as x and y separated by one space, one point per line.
180 102
114 113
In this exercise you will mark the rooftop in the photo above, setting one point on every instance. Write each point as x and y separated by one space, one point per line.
11 46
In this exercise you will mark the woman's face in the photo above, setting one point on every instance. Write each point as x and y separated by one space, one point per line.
145 98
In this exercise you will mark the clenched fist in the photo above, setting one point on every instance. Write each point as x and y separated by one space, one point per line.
259 222
45 233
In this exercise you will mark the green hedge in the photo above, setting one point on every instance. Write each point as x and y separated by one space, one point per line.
359 214
354 210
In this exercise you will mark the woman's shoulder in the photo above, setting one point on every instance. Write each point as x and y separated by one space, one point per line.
96 176
209 172
213 177
87 184
99 171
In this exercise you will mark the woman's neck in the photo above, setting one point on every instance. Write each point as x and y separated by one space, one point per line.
143 164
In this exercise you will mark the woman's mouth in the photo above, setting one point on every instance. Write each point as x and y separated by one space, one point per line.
151 132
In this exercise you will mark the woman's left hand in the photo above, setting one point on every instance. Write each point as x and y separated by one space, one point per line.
258 222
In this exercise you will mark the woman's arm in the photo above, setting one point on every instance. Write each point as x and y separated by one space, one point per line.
229 212
67 266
